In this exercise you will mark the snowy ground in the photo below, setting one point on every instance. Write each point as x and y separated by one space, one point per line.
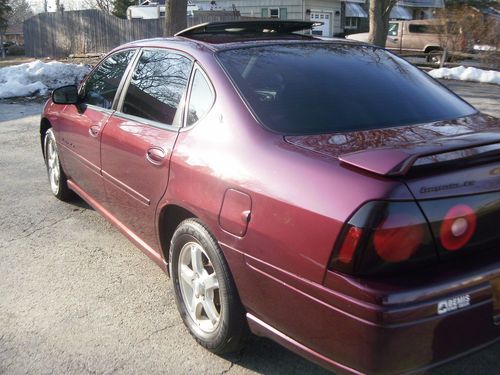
461 73
38 78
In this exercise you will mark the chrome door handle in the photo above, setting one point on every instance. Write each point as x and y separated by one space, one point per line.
156 155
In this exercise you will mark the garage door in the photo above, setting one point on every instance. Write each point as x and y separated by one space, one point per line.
323 30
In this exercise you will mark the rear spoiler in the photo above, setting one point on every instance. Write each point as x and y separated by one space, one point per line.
259 26
398 161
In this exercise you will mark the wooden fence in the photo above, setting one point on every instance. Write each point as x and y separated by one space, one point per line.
94 31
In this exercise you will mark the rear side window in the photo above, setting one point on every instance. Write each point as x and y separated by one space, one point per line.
157 86
314 88
201 100
101 86
426 29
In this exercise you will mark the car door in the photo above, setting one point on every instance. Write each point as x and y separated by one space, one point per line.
394 36
138 140
80 126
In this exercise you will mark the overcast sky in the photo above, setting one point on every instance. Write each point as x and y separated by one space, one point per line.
37 5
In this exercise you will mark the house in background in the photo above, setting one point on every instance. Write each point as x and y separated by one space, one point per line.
327 11
420 9
356 14
14 34
339 17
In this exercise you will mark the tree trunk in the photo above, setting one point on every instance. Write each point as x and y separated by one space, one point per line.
1 46
379 21
176 17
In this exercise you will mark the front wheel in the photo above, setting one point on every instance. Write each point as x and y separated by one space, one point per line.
435 57
205 293
57 178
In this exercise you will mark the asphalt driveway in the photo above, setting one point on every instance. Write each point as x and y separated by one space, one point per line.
77 298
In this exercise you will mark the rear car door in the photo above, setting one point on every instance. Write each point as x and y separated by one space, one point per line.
80 126
139 138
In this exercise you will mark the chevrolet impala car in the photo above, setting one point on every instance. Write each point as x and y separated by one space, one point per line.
325 194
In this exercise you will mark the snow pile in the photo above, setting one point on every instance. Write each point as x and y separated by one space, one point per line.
37 78
462 73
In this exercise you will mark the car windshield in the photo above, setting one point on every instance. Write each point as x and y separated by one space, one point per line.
314 88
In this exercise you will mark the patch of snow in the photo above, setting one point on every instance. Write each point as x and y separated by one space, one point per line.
38 78
462 73
484 47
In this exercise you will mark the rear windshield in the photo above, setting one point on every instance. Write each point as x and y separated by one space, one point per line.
313 88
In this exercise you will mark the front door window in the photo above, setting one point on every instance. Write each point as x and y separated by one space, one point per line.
101 87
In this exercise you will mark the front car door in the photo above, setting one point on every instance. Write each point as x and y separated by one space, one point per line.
139 138
80 126
394 35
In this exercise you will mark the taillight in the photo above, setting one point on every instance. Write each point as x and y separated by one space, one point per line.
398 237
458 227
384 237
350 244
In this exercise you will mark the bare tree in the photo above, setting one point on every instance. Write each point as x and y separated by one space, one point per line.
176 17
4 13
379 20
104 5
20 11
466 26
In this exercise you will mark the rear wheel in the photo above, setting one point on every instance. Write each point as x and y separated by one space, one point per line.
205 293
57 178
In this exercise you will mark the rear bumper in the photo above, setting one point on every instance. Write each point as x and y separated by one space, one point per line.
260 328
351 326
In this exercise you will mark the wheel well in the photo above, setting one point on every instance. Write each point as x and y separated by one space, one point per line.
432 48
170 218
44 126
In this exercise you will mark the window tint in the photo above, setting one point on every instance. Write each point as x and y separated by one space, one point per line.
157 86
201 99
100 88
314 88
393 29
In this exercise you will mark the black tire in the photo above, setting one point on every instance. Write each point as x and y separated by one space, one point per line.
230 331
434 57
57 177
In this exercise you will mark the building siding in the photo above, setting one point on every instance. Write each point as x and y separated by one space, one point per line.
253 8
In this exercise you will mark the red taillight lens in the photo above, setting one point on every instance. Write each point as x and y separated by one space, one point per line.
349 245
458 227
384 237
398 237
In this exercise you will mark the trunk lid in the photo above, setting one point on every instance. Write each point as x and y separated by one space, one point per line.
424 147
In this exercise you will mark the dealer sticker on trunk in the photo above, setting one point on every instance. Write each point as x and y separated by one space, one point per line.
452 304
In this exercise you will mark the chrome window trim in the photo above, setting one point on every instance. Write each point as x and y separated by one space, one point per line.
99 109
143 121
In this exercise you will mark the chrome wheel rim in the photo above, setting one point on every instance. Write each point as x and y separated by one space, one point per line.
53 166
199 287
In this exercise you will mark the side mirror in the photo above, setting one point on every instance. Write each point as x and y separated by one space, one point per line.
65 95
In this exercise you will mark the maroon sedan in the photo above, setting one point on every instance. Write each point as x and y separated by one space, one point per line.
325 194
